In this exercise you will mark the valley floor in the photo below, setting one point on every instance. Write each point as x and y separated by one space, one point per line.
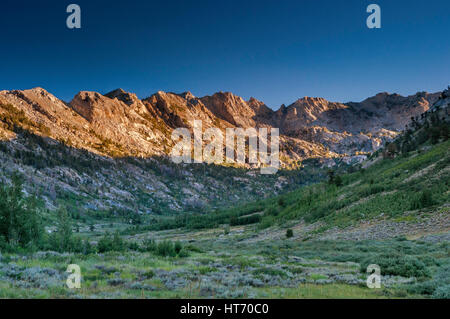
314 242
232 266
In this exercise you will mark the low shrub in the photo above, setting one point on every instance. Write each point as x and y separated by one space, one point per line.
289 233
111 243
166 249
398 265
425 199
270 272
442 292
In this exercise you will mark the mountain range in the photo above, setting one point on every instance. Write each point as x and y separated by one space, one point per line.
120 124
103 152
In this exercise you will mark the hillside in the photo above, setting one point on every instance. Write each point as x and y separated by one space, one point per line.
109 153
394 213
314 242
387 197
120 124
394 184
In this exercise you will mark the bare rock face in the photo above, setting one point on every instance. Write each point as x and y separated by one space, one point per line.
231 108
307 111
393 111
120 124
121 121
259 107
49 115
180 110
350 128
81 138
95 107
443 103
388 111
126 97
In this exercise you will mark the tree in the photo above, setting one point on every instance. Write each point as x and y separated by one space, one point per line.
117 242
19 216
338 181
422 200
111 243
330 176
435 134
64 232
390 150
334 179
289 233
281 202
445 131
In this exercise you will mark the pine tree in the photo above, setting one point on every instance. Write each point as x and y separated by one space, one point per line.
289 233
19 216
64 233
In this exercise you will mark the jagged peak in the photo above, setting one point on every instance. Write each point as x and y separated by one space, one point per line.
187 95
88 94
282 108
38 89
254 100
116 92
165 95
309 99
226 96
120 94
157 94
223 94
311 103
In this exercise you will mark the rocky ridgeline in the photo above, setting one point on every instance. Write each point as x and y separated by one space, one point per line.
77 140
119 123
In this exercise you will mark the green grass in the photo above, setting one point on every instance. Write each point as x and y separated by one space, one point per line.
378 190
334 291
317 277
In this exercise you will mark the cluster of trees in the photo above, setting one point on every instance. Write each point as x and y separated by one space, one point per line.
245 220
334 179
20 224
16 120
21 228
165 248
52 154
231 216
430 127
422 200
289 233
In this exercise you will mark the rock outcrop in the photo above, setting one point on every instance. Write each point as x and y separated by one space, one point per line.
120 124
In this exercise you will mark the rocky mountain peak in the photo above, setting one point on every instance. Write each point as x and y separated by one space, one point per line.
94 107
39 90
230 108
187 95
126 97
260 108
120 123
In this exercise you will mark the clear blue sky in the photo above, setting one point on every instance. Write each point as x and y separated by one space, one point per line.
276 51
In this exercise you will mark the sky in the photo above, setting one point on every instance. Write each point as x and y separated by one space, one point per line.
275 51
